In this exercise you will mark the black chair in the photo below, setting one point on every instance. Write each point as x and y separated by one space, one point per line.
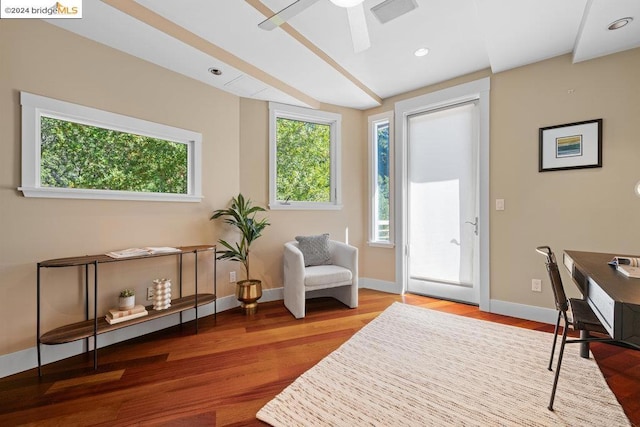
582 317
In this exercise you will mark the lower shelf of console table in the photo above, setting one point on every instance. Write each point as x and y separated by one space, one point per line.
85 329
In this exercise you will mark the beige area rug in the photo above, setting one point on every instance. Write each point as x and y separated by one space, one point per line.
417 367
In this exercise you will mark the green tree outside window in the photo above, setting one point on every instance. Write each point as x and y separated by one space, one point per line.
383 172
303 161
75 155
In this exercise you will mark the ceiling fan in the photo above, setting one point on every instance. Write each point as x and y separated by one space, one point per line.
355 14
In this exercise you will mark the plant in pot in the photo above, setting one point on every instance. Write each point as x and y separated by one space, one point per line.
127 299
242 215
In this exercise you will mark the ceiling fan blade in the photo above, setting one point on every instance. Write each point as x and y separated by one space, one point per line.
358 26
285 14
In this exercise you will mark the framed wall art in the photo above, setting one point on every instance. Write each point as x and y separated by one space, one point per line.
571 146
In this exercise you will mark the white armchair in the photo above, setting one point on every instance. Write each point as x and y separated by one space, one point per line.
339 279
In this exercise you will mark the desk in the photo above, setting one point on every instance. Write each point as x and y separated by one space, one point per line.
614 298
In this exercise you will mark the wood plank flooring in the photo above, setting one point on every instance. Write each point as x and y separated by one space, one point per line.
231 368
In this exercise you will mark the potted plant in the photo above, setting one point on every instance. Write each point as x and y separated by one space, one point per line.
241 215
127 299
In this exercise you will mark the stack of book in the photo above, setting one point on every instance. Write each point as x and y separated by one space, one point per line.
117 316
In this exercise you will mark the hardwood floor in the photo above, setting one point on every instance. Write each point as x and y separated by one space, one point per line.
231 368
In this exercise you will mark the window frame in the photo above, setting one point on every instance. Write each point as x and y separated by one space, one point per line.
334 121
36 106
373 122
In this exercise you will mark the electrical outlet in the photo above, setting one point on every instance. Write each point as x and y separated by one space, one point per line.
536 285
151 292
232 277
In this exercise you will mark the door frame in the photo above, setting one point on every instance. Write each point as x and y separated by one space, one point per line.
475 90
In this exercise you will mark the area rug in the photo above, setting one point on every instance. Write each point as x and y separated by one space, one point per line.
412 366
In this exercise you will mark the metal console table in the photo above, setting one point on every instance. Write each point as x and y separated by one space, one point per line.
98 325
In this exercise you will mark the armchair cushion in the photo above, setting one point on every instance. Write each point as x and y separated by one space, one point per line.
315 249
325 275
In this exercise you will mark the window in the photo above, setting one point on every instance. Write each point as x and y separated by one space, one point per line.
71 151
304 163
380 178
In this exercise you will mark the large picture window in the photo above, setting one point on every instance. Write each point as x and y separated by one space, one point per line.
304 158
380 179
73 151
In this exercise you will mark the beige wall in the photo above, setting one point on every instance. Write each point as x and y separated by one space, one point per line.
42 59
590 209
582 209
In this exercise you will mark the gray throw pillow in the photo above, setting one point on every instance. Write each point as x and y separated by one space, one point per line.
315 249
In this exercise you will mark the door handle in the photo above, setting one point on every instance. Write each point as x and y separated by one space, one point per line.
475 225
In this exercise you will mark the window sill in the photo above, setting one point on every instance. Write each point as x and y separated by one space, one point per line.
381 245
72 193
304 207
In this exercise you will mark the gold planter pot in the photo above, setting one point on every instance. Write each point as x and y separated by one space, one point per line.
248 293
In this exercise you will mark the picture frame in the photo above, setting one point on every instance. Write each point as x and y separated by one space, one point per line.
570 146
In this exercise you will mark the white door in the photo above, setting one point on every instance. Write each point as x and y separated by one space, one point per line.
442 203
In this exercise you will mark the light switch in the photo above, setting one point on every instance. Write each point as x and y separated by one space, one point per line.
499 204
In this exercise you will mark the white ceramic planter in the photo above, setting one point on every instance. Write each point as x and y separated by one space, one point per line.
126 303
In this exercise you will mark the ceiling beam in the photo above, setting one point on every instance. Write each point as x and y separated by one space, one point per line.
149 17
260 7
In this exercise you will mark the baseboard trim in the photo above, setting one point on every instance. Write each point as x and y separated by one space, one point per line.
522 311
380 285
26 359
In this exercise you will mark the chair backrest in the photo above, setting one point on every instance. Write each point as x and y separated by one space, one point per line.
562 304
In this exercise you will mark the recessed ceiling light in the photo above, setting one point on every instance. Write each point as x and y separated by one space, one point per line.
421 52
215 71
619 23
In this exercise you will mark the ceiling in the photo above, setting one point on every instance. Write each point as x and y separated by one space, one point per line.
310 60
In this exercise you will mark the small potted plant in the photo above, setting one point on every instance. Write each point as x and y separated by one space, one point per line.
127 299
241 215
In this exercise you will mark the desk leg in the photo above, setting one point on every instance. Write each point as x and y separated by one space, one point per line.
584 347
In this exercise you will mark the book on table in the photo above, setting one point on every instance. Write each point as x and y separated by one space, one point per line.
114 313
149 250
124 317
629 271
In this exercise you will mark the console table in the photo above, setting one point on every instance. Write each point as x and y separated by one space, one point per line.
92 327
